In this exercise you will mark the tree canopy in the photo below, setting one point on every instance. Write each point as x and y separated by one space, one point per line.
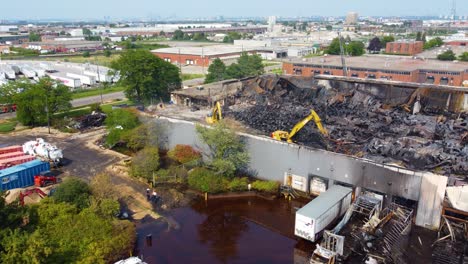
33 99
216 71
146 76
447 56
435 42
464 56
55 231
247 65
375 45
353 48
227 150
384 40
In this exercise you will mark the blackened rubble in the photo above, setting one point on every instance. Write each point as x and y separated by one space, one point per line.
359 124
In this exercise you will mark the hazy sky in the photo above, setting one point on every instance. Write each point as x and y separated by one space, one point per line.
85 9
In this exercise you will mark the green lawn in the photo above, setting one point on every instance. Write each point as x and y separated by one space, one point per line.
7 126
190 76
96 91
270 63
93 59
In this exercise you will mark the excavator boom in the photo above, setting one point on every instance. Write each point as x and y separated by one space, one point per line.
283 135
215 115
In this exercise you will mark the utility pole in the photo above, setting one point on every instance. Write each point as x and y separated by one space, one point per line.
99 80
343 62
47 110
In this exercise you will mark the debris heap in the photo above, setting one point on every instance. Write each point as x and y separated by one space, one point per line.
359 124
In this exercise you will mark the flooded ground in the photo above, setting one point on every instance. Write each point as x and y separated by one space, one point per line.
241 230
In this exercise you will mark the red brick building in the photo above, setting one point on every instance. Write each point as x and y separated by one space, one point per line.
404 48
387 68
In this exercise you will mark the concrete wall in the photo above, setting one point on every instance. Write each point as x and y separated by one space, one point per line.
430 201
271 159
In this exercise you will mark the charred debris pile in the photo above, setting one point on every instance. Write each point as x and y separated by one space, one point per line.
359 123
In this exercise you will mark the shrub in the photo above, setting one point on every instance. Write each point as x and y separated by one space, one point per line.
122 117
113 137
145 163
137 138
96 107
265 186
238 184
73 191
184 154
205 180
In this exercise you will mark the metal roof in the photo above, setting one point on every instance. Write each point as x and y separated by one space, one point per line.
20 167
322 204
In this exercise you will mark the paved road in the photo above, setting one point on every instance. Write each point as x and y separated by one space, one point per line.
97 99
82 102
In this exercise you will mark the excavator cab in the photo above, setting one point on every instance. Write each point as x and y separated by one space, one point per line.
284 135
215 116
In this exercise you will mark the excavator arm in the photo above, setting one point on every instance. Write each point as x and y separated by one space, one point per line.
283 135
215 115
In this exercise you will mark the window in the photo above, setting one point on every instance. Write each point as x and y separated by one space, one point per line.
371 76
430 79
355 75
443 80
317 72
327 73
167 59
189 62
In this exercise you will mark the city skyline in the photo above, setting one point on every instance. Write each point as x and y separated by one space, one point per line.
118 9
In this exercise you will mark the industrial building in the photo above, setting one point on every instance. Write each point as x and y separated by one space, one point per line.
201 56
387 68
64 46
404 47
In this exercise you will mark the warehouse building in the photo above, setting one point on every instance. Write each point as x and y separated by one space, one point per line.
388 68
404 47
201 56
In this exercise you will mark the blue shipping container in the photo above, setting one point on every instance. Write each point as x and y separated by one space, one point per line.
22 175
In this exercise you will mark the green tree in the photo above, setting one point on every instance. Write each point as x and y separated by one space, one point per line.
146 76
145 163
34 37
464 56
231 36
329 27
247 65
178 35
447 56
355 48
87 32
216 71
86 54
107 53
384 40
227 150
418 36
73 191
435 42
36 98
334 47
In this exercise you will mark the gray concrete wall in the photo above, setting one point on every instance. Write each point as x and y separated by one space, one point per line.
433 189
271 159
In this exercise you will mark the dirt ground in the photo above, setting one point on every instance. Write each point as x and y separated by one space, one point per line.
84 159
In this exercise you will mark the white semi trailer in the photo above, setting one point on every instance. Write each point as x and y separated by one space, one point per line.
320 213
85 79
67 81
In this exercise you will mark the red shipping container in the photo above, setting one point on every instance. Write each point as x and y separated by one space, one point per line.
7 163
11 149
11 155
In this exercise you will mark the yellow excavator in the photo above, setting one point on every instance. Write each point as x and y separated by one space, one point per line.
215 116
284 135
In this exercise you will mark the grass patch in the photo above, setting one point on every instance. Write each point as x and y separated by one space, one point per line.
96 91
99 59
277 71
7 126
270 63
190 76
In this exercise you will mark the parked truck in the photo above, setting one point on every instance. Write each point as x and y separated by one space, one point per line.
43 150
85 79
67 81
320 213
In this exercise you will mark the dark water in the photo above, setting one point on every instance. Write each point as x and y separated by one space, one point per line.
241 230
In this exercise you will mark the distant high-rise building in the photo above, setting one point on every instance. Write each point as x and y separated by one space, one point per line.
352 18
271 23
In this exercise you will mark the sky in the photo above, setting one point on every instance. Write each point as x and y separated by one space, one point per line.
148 9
